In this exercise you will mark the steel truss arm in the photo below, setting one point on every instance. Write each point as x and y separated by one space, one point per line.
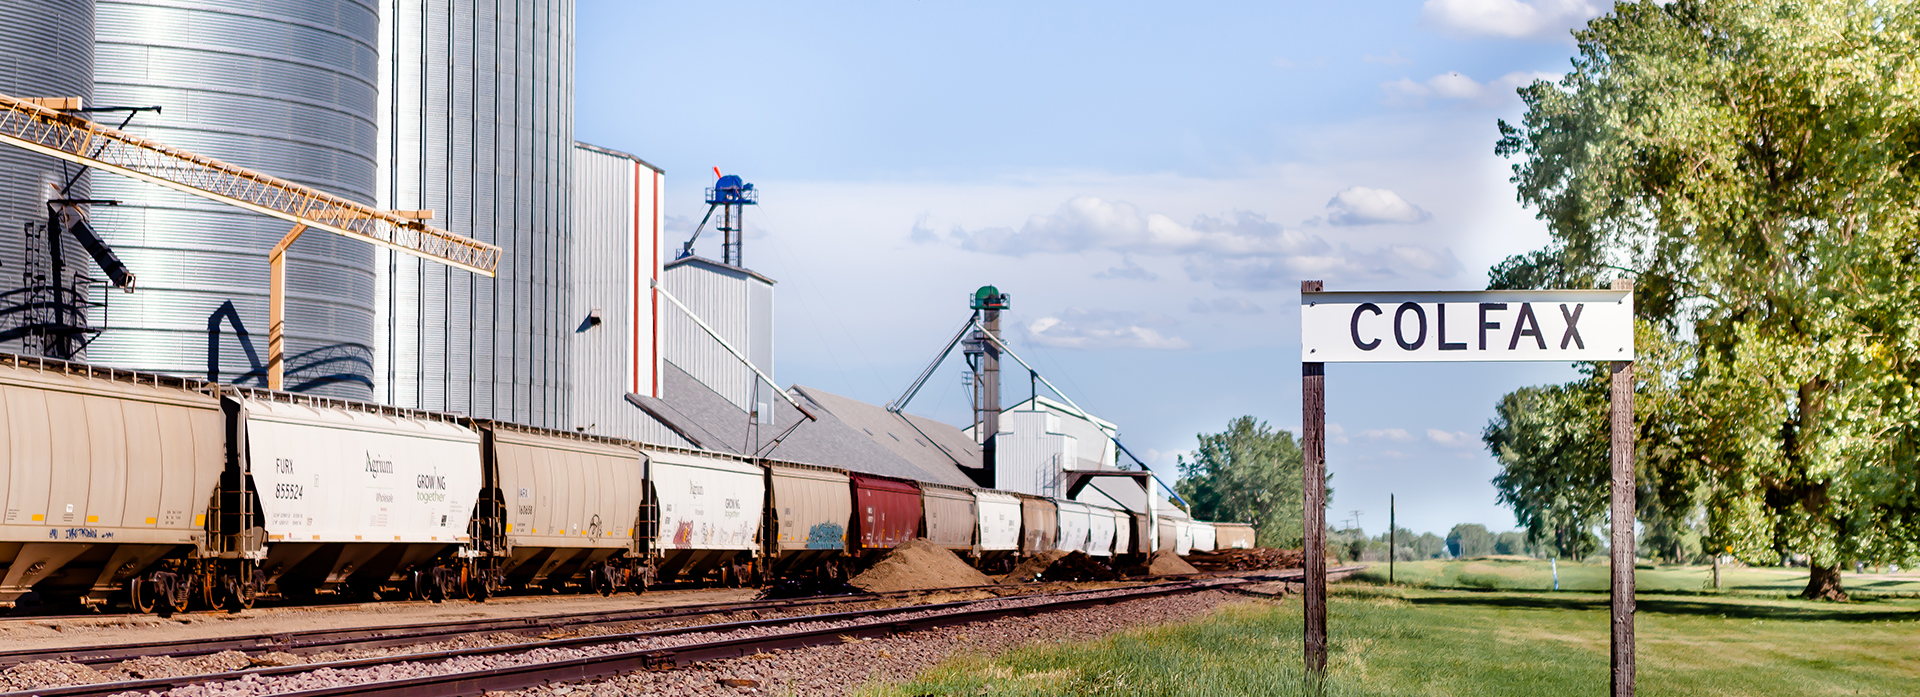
27 125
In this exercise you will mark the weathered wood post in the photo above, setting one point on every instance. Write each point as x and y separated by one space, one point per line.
1622 520
1313 447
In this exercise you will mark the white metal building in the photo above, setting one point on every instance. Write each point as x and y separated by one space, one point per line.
738 304
616 257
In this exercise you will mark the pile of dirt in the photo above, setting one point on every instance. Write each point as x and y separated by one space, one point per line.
915 565
1166 563
1256 559
1061 566
1032 566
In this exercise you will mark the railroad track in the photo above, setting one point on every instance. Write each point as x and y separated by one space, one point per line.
475 670
315 641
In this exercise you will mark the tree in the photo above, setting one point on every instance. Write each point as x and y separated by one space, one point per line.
1551 443
1513 543
1754 166
1469 540
1248 473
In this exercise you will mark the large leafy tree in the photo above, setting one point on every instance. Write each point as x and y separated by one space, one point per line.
1755 166
1248 473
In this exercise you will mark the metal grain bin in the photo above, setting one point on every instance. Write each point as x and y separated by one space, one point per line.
284 87
886 512
1100 531
357 494
950 516
570 501
46 50
1233 536
476 103
709 511
811 508
107 473
1076 523
1202 536
1039 523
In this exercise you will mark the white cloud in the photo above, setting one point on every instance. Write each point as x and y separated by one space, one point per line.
1337 434
1454 439
1240 250
1283 63
1101 329
1460 89
1392 58
1128 270
1398 435
1359 205
1229 306
1510 19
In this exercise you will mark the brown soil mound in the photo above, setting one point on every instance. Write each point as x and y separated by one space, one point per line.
915 565
1031 566
1057 566
1256 559
1166 563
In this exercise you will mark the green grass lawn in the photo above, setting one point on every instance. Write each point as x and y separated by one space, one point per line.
1424 641
1507 574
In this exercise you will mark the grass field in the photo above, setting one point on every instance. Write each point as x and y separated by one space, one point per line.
1514 574
1473 642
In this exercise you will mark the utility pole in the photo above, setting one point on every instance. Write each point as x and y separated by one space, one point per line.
1393 545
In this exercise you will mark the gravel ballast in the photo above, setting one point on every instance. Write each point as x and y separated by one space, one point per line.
837 669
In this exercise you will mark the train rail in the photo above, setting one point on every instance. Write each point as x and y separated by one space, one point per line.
319 640
591 657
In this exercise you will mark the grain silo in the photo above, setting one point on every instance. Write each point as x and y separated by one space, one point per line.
617 203
477 125
283 87
46 50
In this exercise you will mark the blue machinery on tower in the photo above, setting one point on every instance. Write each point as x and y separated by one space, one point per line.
730 195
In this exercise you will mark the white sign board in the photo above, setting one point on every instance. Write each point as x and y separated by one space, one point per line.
1502 325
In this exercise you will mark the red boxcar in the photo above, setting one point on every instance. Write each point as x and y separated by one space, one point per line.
886 512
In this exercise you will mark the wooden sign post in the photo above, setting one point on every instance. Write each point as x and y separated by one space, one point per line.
1544 325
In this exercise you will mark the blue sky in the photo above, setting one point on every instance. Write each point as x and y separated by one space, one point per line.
1150 182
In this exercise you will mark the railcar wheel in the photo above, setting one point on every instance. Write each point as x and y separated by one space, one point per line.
140 595
237 594
602 580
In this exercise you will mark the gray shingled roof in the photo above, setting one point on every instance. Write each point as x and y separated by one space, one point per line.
710 421
927 443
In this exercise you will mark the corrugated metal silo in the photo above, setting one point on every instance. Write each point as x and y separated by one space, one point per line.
285 87
616 255
477 124
46 50
738 304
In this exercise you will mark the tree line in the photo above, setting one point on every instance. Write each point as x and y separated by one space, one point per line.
1754 167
